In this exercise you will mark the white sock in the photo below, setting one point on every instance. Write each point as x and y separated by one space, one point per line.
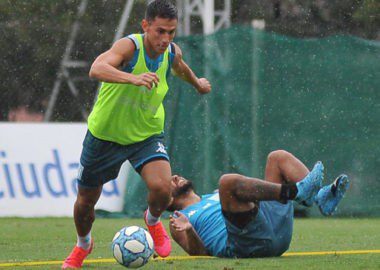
150 219
85 241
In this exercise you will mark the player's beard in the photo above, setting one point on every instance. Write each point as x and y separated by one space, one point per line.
184 189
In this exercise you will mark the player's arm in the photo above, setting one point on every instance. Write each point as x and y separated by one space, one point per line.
184 234
183 71
106 67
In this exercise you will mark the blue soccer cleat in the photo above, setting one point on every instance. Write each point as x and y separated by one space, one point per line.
329 196
310 185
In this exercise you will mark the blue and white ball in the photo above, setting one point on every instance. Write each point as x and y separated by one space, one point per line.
132 246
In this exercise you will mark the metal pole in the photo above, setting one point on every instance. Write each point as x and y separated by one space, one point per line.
208 16
256 45
180 30
186 19
208 28
124 20
119 33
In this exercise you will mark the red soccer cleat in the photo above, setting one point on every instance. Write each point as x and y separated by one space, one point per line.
161 240
76 257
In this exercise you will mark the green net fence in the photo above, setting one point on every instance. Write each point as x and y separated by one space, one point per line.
316 98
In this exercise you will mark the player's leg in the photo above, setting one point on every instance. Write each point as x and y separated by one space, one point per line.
239 193
157 176
283 167
151 160
84 212
100 162
329 196
84 216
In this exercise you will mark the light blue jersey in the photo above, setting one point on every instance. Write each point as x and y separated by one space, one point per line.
268 234
207 220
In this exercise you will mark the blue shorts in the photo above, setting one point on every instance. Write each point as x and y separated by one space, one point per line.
101 160
266 235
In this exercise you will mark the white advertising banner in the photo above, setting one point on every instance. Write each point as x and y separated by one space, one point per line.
38 169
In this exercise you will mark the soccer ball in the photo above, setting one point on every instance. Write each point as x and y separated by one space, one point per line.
132 246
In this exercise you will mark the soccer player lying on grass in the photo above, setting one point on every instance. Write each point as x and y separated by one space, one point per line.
249 217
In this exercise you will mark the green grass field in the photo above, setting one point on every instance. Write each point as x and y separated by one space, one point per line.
51 239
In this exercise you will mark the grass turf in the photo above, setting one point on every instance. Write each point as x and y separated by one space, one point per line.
46 239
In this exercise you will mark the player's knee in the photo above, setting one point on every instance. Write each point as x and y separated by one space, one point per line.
227 182
161 188
277 156
86 202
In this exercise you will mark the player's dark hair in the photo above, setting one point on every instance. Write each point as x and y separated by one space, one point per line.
161 8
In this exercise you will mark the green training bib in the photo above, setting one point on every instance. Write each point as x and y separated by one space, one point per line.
125 113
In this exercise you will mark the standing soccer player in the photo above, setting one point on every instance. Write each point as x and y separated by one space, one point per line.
127 123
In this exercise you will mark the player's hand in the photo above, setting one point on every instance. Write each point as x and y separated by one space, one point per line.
204 86
148 79
180 223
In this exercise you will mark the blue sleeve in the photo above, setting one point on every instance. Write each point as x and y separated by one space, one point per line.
171 58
